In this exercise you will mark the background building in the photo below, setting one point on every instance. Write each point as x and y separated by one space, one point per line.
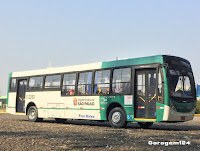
3 102
198 92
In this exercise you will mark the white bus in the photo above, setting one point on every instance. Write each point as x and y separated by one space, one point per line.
144 90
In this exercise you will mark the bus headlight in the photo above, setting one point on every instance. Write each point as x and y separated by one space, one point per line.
173 107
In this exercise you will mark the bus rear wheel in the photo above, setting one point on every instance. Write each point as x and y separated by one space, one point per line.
33 114
145 124
60 120
117 118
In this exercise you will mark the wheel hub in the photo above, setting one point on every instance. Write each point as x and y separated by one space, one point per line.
32 114
116 117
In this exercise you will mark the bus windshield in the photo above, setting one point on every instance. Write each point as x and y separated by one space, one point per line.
181 83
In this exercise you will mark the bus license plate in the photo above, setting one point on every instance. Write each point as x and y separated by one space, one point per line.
182 117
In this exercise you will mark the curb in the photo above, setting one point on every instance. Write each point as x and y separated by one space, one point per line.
196 114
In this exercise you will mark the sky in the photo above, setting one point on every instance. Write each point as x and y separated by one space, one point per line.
66 32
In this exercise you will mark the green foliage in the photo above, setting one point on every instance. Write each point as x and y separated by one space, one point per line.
198 107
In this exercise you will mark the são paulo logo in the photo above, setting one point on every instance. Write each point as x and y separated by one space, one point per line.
75 101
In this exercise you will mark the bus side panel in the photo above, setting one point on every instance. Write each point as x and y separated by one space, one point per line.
11 107
82 114
159 111
126 101
40 99
52 104
82 107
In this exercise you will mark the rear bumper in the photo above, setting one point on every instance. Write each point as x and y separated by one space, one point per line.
171 115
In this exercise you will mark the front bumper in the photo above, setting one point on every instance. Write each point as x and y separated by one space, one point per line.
171 115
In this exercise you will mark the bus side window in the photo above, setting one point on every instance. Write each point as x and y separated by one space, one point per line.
102 82
13 84
84 83
35 83
52 82
121 81
69 81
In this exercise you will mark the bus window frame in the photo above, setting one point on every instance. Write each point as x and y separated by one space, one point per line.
52 89
167 60
93 81
38 89
131 80
76 86
181 99
62 78
15 88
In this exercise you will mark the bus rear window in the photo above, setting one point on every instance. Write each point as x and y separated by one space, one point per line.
13 84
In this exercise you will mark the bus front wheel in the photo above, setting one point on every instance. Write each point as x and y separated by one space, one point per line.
33 114
145 124
117 118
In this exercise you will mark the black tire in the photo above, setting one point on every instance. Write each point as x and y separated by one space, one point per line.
33 114
117 118
60 120
145 124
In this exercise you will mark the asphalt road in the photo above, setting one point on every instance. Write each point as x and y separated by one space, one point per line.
17 133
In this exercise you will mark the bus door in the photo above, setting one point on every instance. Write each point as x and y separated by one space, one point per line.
145 95
21 90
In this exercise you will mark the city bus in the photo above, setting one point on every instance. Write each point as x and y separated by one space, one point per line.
145 90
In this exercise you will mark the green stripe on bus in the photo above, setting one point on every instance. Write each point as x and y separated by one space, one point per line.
67 109
134 61
10 75
166 91
64 108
